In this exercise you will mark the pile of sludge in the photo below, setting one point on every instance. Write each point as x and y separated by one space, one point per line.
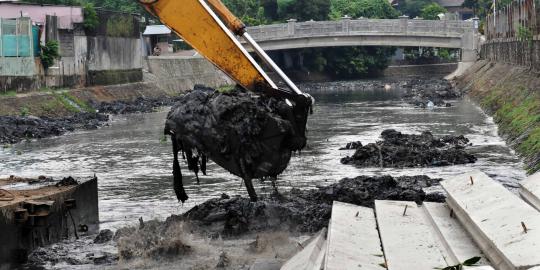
400 150
304 210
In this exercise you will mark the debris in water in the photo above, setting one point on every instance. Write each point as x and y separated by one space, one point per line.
408 150
67 181
352 145
251 137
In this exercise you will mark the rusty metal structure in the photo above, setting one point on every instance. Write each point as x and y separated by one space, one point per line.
515 20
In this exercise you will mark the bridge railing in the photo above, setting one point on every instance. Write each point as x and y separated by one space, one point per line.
347 26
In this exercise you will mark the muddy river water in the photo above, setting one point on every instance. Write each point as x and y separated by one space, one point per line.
133 164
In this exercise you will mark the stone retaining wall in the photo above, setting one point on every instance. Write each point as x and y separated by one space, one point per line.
513 51
177 73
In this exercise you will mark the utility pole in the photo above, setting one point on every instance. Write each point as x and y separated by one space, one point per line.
494 13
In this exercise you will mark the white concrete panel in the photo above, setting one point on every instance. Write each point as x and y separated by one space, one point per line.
495 218
457 242
353 240
530 190
409 241
309 257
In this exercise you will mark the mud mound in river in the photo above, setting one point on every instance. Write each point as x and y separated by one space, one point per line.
14 129
400 150
303 210
139 105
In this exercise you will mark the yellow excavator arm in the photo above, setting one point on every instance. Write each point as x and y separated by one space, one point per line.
209 27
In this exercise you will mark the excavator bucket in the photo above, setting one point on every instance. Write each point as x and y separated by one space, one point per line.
251 137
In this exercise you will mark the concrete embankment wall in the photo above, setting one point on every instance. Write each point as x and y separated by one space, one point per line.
171 76
509 93
431 70
177 73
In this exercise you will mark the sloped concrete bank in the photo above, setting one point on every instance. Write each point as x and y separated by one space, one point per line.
510 94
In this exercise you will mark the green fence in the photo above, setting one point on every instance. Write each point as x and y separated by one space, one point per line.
16 38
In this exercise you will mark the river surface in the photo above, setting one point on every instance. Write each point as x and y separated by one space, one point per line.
133 164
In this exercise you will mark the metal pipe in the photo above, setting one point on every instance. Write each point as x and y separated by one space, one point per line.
261 53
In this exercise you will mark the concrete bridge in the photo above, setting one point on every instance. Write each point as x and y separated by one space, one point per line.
402 32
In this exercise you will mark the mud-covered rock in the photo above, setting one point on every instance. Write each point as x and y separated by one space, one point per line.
410 150
67 181
104 236
303 210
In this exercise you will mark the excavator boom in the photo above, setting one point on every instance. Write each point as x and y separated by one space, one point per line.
201 28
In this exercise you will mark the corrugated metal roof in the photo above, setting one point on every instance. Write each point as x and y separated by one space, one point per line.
156 30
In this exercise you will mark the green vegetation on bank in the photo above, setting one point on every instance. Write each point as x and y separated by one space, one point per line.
517 111
8 93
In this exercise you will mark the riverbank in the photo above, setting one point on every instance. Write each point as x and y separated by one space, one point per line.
510 94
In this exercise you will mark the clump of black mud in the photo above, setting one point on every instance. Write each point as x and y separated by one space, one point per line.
250 136
303 210
139 105
419 92
398 150
14 129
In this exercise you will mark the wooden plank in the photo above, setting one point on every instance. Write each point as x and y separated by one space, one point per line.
353 240
530 190
457 242
408 240
309 257
496 219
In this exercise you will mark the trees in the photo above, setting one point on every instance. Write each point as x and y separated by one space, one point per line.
432 11
412 8
377 9
306 10
353 62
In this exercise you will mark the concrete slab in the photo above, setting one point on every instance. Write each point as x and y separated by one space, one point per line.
457 242
530 190
353 240
408 241
309 257
496 219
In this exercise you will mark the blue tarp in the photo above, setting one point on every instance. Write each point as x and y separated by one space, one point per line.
35 34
